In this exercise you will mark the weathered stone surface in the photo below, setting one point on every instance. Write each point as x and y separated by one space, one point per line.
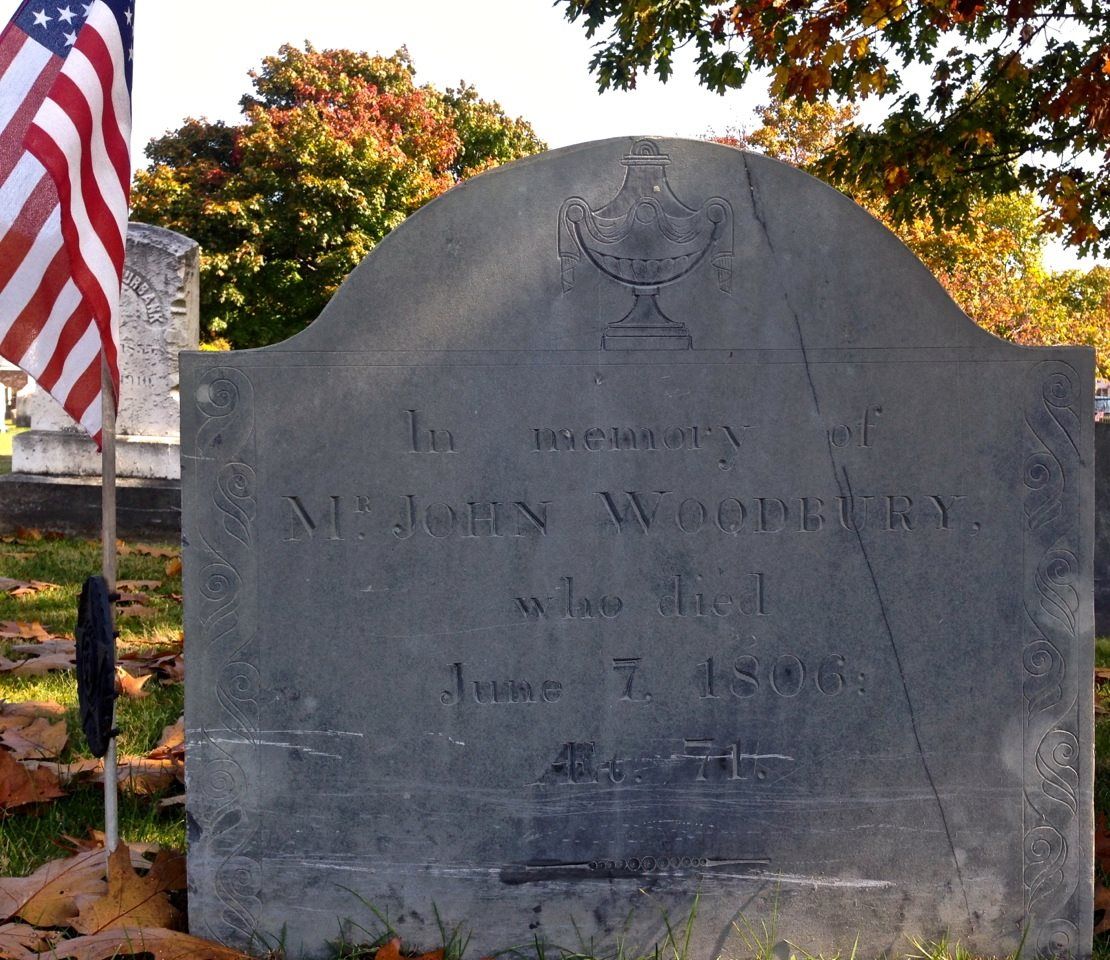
1102 528
159 317
775 593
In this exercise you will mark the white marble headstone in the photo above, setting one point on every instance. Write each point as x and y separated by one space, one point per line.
159 317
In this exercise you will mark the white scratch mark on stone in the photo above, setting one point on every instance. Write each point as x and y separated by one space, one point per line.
811 881
446 736
308 751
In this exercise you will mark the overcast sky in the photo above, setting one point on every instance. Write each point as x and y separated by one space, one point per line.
192 59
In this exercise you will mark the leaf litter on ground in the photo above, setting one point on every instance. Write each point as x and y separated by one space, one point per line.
23 588
32 738
132 900
18 630
132 686
23 783
19 941
171 745
45 657
120 905
158 944
143 550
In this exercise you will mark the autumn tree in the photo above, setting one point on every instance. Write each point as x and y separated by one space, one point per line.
985 97
992 264
336 148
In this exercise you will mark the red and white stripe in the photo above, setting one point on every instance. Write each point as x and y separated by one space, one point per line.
65 126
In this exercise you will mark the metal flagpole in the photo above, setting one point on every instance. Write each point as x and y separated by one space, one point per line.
108 571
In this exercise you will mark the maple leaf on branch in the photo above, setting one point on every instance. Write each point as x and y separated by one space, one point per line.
1018 96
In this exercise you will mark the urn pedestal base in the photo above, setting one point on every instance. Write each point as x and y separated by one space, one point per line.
647 338
646 327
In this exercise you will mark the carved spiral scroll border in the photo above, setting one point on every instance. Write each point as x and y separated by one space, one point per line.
224 528
1051 702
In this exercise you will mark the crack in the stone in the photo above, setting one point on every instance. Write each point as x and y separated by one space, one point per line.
757 213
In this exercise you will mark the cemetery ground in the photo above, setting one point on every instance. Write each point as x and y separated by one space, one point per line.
55 897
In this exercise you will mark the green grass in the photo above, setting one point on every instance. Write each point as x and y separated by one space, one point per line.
30 837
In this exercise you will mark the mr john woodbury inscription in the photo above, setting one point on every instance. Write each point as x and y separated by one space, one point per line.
641 523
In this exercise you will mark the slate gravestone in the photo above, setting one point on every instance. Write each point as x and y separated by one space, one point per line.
641 524
159 317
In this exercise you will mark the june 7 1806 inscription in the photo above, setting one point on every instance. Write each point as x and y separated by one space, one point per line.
621 538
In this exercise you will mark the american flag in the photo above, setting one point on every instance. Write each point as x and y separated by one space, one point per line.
65 127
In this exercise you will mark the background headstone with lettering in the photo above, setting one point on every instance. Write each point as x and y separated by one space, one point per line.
159 317
640 524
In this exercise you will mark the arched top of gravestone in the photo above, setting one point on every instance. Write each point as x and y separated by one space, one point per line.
174 243
641 244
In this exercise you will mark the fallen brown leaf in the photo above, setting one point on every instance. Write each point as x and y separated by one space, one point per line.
20 942
173 567
159 944
170 669
162 552
122 549
28 533
138 611
131 901
133 597
168 664
45 660
54 894
32 738
131 686
1102 842
391 950
23 631
20 785
138 775
1102 908
32 708
172 742
22 588
42 648
76 771
146 652
169 869
145 776
137 585
95 840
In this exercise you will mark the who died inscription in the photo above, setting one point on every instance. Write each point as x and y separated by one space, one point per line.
769 590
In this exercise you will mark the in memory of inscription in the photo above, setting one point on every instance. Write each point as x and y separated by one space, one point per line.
768 591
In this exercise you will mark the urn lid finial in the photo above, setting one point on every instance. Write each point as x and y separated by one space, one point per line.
645 153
